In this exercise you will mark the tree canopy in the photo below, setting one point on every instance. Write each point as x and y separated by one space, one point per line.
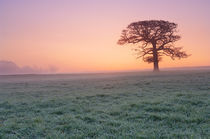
153 39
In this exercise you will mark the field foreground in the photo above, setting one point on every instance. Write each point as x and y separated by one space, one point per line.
121 105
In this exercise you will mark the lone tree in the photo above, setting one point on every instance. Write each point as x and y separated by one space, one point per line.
152 40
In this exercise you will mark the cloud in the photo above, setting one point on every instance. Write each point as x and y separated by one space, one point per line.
9 67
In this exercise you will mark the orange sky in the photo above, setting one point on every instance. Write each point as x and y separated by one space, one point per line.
81 36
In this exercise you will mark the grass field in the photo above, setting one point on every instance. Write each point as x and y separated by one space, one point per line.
118 105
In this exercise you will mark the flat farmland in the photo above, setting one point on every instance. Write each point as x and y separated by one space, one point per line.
110 105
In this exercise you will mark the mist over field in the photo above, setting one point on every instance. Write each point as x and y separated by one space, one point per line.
9 67
170 104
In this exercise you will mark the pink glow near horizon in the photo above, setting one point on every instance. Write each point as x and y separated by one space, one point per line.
81 35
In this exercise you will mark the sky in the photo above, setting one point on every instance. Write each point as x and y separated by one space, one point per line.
81 35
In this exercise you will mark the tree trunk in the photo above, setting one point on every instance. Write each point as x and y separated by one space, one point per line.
155 58
156 67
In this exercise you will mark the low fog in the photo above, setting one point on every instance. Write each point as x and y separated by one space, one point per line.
9 67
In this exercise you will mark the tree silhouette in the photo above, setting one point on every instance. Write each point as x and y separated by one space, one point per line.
152 40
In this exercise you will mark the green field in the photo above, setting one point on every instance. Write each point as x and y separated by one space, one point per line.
118 105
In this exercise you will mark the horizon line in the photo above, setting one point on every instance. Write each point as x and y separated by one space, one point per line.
185 68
